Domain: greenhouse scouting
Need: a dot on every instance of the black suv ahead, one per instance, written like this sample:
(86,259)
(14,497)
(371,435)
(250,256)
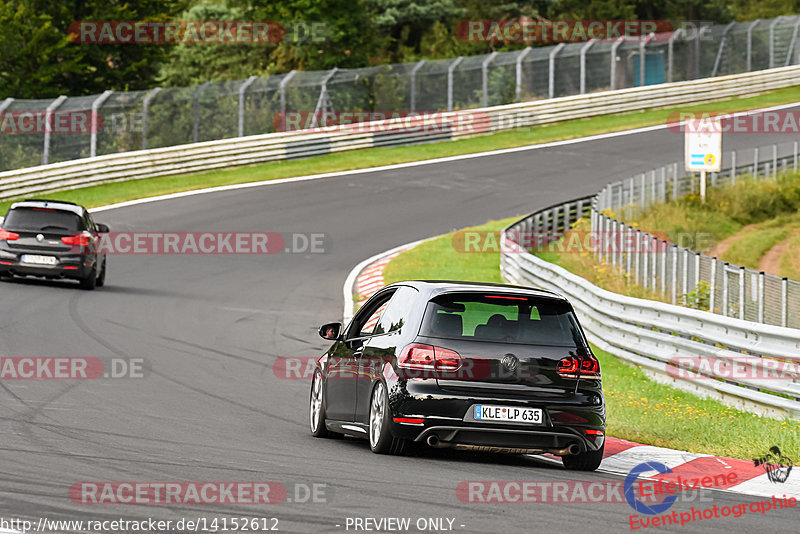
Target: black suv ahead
(481,367)
(52,239)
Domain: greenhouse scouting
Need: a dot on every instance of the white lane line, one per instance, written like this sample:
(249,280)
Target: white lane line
(410,164)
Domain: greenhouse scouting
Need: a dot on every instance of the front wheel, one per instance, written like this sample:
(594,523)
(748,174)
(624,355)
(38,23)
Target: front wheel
(585,461)
(381,440)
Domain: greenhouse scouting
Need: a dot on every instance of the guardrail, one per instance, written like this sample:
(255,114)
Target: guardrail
(655,335)
(249,150)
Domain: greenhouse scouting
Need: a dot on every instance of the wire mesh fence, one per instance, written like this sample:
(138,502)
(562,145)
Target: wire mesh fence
(675,270)
(260,105)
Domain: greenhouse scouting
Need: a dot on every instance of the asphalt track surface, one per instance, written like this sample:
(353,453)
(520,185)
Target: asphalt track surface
(211,327)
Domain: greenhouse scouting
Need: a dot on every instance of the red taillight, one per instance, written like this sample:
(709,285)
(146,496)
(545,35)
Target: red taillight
(594,432)
(80,240)
(584,367)
(5,235)
(428,358)
(409,420)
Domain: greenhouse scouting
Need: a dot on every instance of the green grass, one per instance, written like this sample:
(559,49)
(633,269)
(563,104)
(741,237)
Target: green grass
(639,409)
(118,192)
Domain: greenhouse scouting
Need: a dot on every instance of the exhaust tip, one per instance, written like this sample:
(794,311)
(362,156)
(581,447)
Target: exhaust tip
(433,440)
(574,449)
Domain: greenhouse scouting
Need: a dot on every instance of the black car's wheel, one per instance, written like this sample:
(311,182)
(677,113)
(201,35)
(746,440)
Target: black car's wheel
(316,409)
(585,461)
(101,280)
(90,282)
(381,440)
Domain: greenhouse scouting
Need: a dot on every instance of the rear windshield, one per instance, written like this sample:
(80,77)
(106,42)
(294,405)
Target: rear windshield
(41,219)
(502,318)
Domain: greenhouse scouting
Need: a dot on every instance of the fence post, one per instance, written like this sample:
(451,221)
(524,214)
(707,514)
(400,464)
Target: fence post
(696,269)
(741,292)
(733,168)
(242,91)
(685,280)
(551,77)
(725,289)
(583,51)
(774,160)
(755,163)
(670,55)
(722,43)
(282,89)
(663,252)
(485,79)
(146,114)
(628,259)
(643,197)
(750,44)
(761,277)
(674,280)
(645,254)
(48,126)
(662,189)
(638,253)
(323,99)
(772,41)
(520,57)
(413,97)
(95,123)
(613,74)
(784,301)
(713,284)
(675,184)
(450,70)
(196,109)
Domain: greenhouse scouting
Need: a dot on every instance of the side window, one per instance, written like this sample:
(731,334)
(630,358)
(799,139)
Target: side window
(396,313)
(367,318)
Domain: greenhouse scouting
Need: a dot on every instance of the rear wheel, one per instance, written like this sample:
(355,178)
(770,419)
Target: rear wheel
(316,409)
(381,440)
(90,282)
(585,461)
(101,280)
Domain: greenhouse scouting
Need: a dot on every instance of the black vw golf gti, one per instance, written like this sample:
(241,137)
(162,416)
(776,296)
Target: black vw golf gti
(482,367)
(52,239)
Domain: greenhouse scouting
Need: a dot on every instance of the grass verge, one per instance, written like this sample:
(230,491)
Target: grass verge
(639,409)
(119,192)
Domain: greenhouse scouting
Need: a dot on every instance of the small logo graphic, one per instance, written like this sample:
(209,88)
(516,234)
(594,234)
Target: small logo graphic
(510,362)
(777,466)
(630,485)
(39,238)
(710,159)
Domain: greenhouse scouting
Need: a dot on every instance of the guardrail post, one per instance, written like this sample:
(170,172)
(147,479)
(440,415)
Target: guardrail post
(146,113)
(725,283)
(450,70)
(674,280)
(761,277)
(713,285)
(196,109)
(48,127)
(772,41)
(242,91)
(742,273)
(485,78)
(551,76)
(784,301)
(282,90)
(750,44)
(522,56)
(733,168)
(95,124)
(583,51)
(613,74)
(413,96)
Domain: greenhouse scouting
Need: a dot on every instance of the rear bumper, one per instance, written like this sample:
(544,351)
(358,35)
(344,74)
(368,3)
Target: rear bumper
(67,266)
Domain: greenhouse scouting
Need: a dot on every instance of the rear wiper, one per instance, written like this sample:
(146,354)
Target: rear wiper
(54,226)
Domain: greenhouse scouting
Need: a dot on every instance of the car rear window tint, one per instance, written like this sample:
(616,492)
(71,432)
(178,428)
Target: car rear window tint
(42,219)
(501,318)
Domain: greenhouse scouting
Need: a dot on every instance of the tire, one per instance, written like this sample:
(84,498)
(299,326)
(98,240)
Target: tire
(90,282)
(381,440)
(585,461)
(101,280)
(316,409)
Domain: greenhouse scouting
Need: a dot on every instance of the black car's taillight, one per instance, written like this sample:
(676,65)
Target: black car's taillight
(585,366)
(5,235)
(80,240)
(428,358)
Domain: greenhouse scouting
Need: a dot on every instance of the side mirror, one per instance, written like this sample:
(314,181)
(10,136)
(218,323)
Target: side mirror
(102,228)
(330,331)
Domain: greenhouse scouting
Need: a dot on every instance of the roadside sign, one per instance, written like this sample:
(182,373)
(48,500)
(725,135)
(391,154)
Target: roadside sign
(703,144)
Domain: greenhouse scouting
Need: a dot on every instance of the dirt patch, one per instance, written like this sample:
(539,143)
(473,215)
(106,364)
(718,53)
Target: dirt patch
(720,248)
(770,262)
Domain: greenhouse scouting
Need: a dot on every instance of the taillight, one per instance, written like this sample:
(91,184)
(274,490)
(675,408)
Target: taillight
(80,240)
(585,366)
(5,235)
(428,358)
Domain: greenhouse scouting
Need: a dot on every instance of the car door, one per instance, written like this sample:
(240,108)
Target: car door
(343,362)
(382,346)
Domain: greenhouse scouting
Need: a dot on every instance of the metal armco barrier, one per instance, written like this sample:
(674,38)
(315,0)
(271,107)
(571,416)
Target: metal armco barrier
(653,334)
(228,153)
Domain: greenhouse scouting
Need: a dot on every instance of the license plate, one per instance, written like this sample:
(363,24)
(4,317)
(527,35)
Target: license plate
(35,259)
(512,414)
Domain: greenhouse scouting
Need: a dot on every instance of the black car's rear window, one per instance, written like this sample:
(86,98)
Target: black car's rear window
(42,219)
(501,318)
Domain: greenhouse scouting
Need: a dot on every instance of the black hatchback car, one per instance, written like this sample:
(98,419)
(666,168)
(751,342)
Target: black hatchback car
(481,367)
(52,239)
